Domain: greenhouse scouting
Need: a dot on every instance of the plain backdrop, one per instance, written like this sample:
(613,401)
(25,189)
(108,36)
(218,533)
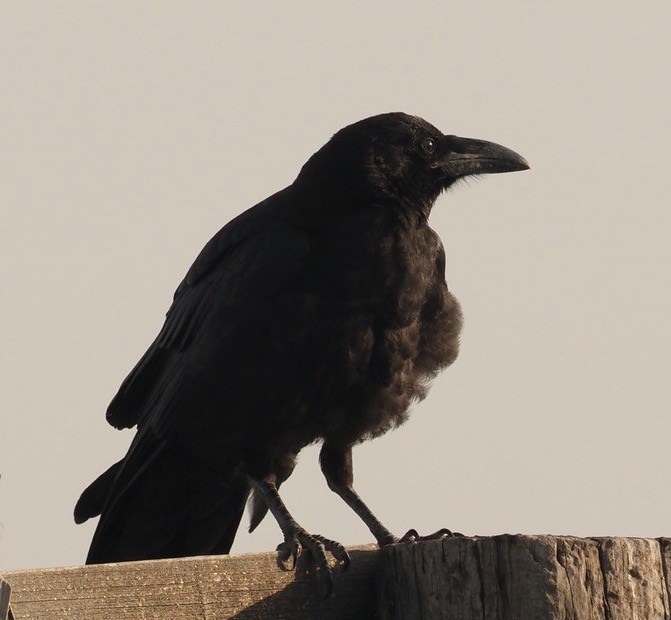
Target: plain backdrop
(132,131)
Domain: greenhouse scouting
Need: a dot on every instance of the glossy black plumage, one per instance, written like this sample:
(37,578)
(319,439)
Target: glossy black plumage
(320,314)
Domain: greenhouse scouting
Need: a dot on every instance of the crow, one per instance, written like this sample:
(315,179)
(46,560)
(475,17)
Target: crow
(318,315)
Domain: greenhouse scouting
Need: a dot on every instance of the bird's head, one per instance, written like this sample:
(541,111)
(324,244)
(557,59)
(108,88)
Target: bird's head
(404,160)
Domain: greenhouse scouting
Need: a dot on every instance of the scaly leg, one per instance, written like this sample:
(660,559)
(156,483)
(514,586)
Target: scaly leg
(297,538)
(336,464)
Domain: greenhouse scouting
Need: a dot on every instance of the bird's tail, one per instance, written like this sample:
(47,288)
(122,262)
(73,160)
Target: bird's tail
(161,502)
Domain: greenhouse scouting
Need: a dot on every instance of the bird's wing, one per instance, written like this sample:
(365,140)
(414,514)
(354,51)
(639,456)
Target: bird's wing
(92,500)
(251,258)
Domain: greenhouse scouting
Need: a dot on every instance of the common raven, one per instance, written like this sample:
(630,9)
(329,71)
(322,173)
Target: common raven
(318,315)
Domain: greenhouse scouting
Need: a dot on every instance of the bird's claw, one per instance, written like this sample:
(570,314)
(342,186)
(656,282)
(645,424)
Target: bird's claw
(412,535)
(289,550)
(336,549)
(317,546)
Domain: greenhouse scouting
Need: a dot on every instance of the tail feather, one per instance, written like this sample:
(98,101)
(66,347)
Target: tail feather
(164,503)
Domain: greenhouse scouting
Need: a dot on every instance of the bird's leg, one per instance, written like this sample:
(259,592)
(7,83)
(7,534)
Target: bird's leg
(282,467)
(297,538)
(336,464)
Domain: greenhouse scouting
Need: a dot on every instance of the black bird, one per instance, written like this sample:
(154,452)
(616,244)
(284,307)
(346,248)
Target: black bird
(320,314)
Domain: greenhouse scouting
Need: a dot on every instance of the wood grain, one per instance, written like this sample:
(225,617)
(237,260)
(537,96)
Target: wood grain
(5,590)
(508,577)
(209,588)
(526,578)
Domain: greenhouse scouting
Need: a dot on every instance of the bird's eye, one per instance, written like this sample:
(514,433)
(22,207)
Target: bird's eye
(428,145)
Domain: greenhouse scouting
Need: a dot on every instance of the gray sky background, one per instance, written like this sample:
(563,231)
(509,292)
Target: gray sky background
(132,131)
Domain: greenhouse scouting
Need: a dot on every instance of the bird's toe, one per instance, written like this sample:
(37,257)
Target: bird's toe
(412,535)
(336,549)
(288,553)
(316,547)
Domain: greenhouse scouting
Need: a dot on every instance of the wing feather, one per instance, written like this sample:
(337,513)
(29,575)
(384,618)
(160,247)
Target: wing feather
(250,258)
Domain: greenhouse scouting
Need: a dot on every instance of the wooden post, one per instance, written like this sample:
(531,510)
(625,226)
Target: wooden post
(527,578)
(484,578)
(5,590)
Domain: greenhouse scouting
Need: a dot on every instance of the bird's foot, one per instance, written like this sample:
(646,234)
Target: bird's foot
(413,536)
(293,546)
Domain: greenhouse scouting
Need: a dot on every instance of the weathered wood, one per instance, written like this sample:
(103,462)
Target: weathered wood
(244,587)
(635,579)
(5,590)
(484,578)
(525,578)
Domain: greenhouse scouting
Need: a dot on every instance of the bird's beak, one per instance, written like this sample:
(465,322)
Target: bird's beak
(467,156)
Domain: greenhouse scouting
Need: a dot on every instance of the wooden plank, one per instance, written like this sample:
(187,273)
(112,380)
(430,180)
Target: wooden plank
(211,588)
